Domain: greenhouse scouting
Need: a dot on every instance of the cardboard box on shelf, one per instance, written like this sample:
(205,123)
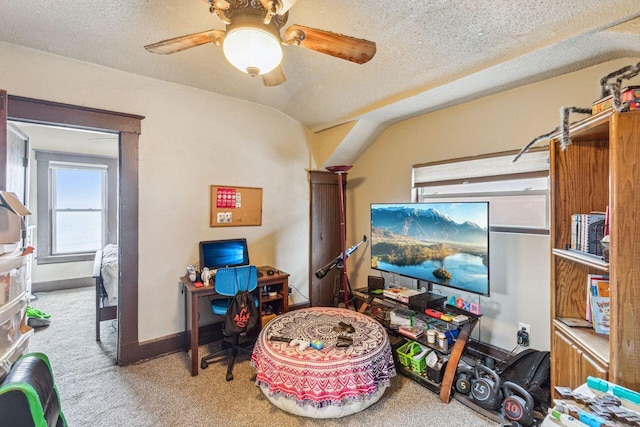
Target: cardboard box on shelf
(630,94)
(11,222)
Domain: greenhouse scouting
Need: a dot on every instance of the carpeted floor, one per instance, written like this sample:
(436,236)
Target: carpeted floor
(161,392)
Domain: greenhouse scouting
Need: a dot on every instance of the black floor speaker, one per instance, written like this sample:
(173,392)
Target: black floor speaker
(375,282)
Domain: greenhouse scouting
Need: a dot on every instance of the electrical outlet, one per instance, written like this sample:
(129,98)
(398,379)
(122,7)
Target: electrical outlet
(524,334)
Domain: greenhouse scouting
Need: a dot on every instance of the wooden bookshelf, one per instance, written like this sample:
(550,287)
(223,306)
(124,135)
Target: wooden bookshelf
(582,258)
(600,168)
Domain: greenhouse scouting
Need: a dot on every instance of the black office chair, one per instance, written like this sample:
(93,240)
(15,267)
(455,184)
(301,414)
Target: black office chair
(230,281)
(29,396)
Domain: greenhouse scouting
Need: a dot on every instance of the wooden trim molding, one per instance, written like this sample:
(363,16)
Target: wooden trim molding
(128,127)
(56,285)
(47,112)
(128,308)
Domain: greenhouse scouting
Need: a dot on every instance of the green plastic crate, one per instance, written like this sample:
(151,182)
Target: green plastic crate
(406,351)
(419,361)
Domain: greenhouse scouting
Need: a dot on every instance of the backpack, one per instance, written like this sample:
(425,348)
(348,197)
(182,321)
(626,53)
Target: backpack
(242,313)
(530,369)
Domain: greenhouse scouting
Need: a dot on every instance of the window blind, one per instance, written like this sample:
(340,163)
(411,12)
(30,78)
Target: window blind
(534,163)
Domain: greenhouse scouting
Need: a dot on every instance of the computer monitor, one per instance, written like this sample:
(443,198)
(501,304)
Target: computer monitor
(224,253)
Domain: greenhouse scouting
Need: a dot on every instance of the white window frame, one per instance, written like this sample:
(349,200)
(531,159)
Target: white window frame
(47,162)
(57,166)
(496,167)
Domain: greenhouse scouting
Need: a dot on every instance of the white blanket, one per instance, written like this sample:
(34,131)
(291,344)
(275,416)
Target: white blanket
(110,273)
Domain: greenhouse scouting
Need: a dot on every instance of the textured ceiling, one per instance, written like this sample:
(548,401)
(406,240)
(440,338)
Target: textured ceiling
(430,53)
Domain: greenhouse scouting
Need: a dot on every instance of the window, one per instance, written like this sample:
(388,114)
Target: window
(76,205)
(518,192)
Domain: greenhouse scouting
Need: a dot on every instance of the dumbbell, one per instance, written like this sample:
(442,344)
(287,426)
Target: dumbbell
(463,379)
(486,390)
(518,404)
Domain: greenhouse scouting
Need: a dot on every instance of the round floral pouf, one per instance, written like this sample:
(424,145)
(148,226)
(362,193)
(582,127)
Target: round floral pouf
(330,382)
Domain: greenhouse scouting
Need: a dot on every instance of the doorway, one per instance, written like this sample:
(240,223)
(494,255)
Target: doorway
(127,127)
(72,182)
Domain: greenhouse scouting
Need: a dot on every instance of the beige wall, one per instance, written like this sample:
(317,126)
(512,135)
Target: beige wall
(519,267)
(190,139)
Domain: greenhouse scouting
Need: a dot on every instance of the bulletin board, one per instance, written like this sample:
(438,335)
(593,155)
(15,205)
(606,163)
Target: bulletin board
(235,206)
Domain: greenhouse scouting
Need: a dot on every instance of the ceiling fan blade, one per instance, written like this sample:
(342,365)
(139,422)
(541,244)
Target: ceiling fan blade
(286,5)
(178,44)
(338,45)
(274,77)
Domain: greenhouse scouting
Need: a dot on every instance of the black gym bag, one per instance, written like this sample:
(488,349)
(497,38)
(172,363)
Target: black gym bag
(531,370)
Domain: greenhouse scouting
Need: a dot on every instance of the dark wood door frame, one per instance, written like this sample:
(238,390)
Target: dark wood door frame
(128,127)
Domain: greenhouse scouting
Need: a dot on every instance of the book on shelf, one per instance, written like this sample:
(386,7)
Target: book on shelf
(586,232)
(598,302)
(412,332)
(600,286)
(575,232)
(594,281)
(601,307)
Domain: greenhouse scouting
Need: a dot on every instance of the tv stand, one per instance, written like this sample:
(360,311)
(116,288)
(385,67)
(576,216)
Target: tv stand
(455,353)
(429,285)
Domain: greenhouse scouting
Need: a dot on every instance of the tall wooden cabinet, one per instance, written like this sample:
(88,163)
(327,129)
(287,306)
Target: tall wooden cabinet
(324,234)
(601,168)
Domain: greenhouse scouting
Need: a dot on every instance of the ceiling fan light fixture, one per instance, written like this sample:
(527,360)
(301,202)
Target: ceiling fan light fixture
(252,47)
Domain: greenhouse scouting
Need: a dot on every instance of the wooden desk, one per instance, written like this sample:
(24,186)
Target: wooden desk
(278,282)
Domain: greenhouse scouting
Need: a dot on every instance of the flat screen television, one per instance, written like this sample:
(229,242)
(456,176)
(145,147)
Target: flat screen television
(224,253)
(441,243)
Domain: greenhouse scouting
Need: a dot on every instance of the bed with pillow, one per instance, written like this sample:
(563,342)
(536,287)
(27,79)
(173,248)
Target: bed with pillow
(106,273)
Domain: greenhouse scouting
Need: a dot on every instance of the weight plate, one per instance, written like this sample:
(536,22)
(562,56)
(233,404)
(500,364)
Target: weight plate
(512,409)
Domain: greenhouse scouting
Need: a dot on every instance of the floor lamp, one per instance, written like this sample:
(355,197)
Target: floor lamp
(341,170)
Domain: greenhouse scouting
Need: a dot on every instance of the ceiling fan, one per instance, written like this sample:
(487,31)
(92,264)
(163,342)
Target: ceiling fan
(252,41)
